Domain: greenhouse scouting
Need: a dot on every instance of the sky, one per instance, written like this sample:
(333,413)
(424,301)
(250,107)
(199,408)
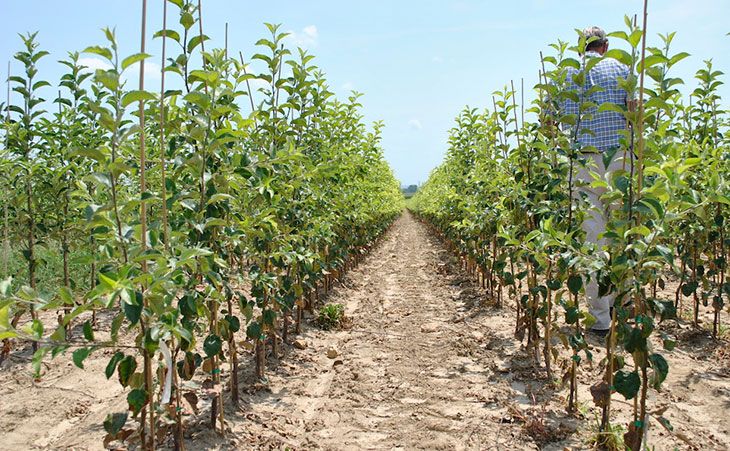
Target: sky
(417,62)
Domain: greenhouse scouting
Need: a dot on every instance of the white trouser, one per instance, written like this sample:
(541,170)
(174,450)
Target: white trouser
(594,225)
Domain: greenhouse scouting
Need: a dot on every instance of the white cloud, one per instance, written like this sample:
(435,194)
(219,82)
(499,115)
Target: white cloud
(348,86)
(307,38)
(415,124)
(91,64)
(151,71)
(437,60)
(311,31)
(258,83)
(131,74)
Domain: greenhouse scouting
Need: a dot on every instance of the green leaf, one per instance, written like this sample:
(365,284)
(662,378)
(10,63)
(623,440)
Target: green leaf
(136,96)
(689,288)
(575,283)
(187,20)
(137,57)
(101,51)
(112,365)
(677,58)
(634,341)
(37,360)
(171,34)
(652,60)
(88,331)
(666,309)
(212,345)
(195,41)
(669,343)
(661,369)
(5,319)
(234,323)
(5,285)
(126,369)
(133,308)
(108,78)
(612,107)
(589,320)
(40,84)
(620,55)
(80,355)
(572,314)
(627,383)
(66,296)
(253,331)
(137,399)
(114,423)
(116,325)
(197,98)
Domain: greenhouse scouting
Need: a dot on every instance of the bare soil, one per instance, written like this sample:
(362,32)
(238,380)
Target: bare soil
(426,362)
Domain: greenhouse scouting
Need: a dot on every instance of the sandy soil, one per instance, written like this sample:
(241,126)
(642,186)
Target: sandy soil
(426,363)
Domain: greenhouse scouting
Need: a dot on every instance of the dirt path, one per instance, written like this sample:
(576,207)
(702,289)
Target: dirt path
(415,369)
(426,363)
(429,363)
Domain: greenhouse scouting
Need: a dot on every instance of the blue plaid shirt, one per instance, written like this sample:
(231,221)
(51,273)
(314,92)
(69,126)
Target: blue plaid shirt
(604,126)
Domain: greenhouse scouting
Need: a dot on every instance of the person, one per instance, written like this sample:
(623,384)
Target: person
(598,132)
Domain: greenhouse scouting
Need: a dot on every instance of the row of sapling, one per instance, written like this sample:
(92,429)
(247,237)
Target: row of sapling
(508,201)
(199,222)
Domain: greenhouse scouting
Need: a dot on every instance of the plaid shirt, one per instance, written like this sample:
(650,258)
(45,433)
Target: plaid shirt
(604,126)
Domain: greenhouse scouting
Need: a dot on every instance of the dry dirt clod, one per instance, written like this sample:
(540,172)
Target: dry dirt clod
(332,352)
(429,328)
(299,344)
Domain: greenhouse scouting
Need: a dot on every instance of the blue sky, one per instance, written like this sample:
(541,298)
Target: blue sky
(417,62)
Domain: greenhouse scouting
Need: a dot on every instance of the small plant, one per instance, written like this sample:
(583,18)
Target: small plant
(331,316)
(610,438)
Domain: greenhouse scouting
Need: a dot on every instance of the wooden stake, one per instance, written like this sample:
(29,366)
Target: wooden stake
(143,237)
(217,405)
(643,417)
(248,84)
(640,118)
(6,220)
(163,144)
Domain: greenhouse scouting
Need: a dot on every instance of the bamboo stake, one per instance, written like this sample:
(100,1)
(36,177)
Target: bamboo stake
(514,110)
(217,406)
(517,128)
(522,99)
(163,161)
(232,339)
(179,443)
(640,118)
(143,239)
(6,220)
(642,419)
(248,84)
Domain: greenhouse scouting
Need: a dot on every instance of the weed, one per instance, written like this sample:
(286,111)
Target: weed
(331,316)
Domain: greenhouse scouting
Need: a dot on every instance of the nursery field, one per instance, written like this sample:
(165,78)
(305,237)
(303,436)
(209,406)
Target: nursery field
(426,360)
(226,260)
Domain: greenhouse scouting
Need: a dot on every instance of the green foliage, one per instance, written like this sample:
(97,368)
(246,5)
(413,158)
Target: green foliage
(276,197)
(331,316)
(507,200)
